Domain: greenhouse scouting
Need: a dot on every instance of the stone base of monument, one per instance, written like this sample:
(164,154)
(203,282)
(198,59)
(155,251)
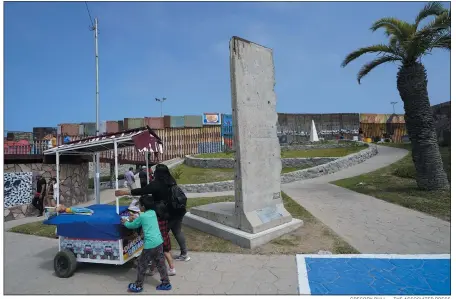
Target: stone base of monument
(218,219)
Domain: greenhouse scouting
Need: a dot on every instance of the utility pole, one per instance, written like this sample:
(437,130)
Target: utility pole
(97,124)
(393,103)
(161,104)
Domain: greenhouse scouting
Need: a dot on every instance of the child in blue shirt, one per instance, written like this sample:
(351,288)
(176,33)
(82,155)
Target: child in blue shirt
(153,248)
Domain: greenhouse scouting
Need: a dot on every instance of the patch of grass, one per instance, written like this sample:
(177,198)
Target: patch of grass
(322,152)
(310,238)
(123,201)
(196,175)
(396,184)
(405,167)
(35,229)
(307,153)
(221,155)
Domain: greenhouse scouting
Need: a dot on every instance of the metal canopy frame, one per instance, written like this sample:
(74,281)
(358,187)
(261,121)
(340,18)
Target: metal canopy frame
(101,143)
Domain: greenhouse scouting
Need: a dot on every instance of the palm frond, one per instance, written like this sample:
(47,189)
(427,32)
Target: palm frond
(440,22)
(442,42)
(373,64)
(429,37)
(392,26)
(431,9)
(381,49)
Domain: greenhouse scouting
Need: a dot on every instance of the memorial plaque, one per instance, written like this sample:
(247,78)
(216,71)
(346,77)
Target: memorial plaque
(268,214)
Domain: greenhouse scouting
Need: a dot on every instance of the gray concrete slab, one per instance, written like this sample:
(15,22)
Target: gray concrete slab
(205,273)
(259,204)
(236,236)
(369,224)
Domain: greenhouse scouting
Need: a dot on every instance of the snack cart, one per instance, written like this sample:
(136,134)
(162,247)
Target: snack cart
(98,236)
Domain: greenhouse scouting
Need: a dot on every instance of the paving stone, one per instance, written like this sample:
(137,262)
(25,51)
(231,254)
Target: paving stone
(369,224)
(267,289)
(210,278)
(243,288)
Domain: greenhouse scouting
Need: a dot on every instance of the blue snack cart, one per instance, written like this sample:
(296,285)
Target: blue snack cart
(100,237)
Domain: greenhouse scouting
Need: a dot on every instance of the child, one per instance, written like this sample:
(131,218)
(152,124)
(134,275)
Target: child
(153,248)
(162,214)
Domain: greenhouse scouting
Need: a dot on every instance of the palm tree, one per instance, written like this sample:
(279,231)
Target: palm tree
(408,43)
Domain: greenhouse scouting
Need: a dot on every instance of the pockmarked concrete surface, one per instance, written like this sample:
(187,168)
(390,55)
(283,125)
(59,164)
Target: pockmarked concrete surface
(31,258)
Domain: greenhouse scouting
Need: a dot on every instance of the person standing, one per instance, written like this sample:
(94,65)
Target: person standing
(51,193)
(160,189)
(40,194)
(130,179)
(143,177)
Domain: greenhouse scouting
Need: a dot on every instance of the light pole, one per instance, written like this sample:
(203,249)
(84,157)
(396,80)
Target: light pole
(97,122)
(393,103)
(161,104)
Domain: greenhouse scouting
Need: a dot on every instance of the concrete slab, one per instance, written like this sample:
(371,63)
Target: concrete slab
(259,204)
(237,236)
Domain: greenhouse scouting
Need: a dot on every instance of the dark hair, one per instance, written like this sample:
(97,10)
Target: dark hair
(131,168)
(161,210)
(163,175)
(147,204)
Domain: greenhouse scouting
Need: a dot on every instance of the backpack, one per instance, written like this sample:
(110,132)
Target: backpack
(178,198)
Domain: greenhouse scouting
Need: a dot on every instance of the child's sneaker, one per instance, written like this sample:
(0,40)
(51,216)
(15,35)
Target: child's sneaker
(183,258)
(164,287)
(132,287)
(171,272)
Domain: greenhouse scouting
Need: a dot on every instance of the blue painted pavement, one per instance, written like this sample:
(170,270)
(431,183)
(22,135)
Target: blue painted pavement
(374,274)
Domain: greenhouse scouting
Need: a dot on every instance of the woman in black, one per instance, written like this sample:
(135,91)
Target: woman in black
(159,188)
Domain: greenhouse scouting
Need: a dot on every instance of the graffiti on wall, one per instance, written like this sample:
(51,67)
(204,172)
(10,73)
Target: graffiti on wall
(329,126)
(379,125)
(17,189)
(379,118)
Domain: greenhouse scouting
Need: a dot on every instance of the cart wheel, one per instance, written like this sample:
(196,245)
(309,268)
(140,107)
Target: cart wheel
(65,263)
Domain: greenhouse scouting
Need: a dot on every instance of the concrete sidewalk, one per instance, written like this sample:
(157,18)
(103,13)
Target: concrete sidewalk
(205,273)
(369,224)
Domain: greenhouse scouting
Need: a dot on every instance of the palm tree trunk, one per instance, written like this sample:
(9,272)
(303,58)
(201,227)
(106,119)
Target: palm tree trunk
(412,86)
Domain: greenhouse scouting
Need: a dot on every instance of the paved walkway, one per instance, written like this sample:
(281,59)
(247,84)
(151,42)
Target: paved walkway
(206,273)
(371,225)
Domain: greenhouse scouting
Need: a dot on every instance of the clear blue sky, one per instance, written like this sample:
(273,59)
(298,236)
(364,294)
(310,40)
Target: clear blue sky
(180,51)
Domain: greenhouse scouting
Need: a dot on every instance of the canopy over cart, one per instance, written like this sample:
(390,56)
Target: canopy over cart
(99,238)
(144,139)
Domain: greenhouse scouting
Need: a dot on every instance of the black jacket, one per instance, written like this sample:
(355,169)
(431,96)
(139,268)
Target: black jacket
(143,176)
(160,193)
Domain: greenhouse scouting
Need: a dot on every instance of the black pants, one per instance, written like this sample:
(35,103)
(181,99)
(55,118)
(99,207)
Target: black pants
(143,184)
(175,225)
(38,204)
(152,258)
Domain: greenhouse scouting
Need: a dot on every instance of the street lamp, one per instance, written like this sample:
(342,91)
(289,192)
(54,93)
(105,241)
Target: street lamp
(161,104)
(393,103)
